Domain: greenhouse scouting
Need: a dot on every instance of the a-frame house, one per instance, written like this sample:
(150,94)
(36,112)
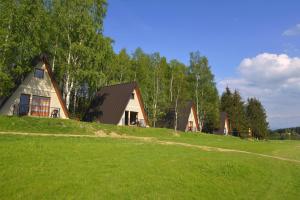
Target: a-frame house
(120,104)
(37,95)
(224,124)
(187,120)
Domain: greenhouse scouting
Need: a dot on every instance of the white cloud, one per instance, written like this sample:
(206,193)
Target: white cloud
(292,31)
(275,80)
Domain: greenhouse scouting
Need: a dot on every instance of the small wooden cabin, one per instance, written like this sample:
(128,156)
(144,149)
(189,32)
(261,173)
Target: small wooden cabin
(224,124)
(120,104)
(37,95)
(187,120)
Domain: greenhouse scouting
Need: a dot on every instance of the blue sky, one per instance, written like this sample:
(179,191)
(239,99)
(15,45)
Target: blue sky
(227,32)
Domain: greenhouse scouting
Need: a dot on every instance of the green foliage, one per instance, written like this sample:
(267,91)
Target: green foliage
(257,118)
(70,32)
(23,35)
(204,92)
(232,104)
(5,84)
(245,120)
(239,120)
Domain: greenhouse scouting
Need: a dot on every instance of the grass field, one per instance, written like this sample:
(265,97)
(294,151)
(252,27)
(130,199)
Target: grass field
(35,167)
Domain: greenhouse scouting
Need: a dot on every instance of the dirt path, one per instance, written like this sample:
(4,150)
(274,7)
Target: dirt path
(101,134)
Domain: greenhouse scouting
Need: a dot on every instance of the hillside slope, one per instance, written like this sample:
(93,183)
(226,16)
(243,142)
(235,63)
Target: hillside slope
(35,167)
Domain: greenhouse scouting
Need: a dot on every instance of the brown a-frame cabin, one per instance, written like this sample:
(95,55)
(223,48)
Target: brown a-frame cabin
(120,104)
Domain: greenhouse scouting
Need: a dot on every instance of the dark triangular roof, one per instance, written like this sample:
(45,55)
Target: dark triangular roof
(184,113)
(183,116)
(110,103)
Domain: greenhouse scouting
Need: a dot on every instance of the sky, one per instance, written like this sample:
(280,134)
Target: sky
(252,45)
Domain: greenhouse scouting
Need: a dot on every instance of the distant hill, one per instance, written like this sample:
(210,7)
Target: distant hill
(291,130)
(286,133)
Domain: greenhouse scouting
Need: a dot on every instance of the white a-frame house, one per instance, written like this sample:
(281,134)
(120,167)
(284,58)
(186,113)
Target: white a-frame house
(37,95)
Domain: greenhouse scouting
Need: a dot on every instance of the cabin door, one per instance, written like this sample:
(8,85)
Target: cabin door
(24,104)
(126,118)
(190,126)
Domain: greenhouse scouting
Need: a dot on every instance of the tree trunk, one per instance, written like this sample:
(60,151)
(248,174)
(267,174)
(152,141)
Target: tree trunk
(75,100)
(176,110)
(54,57)
(6,39)
(202,112)
(155,102)
(68,83)
(171,88)
(197,103)
(68,88)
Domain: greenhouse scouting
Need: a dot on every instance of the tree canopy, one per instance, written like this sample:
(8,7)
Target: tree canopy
(245,119)
(83,60)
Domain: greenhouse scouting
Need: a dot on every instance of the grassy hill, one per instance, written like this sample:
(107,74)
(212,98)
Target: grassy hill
(36,167)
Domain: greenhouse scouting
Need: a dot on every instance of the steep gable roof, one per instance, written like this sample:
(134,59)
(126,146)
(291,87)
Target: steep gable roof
(41,58)
(110,103)
(184,111)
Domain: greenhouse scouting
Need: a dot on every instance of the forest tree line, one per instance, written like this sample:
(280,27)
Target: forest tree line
(292,133)
(83,61)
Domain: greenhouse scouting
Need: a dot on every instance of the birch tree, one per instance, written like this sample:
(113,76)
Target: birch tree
(206,94)
(178,87)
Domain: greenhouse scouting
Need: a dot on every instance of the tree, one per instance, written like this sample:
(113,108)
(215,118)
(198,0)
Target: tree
(178,87)
(257,118)
(5,83)
(239,120)
(233,105)
(159,96)
(77,39)
(205,92)
(121,70)
(23,35)
(226,105)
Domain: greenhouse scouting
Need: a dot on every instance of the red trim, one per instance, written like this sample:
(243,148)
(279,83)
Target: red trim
(138,92)
(58,93)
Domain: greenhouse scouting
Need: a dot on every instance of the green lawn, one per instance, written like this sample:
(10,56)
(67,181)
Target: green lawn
(35,167)
(288,149)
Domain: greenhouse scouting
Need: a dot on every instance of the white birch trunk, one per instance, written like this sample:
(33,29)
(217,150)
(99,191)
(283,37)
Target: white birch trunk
(75,100)
(155,102)
(54,57)
(176,110)
(6,39)
(171,88)
(68,83)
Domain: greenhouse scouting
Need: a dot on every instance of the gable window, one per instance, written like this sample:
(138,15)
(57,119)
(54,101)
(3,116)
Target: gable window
(132,96)
(39,73)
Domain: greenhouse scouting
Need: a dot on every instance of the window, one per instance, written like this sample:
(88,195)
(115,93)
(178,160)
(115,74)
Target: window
(40,106)
(132,96)
(39,73)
